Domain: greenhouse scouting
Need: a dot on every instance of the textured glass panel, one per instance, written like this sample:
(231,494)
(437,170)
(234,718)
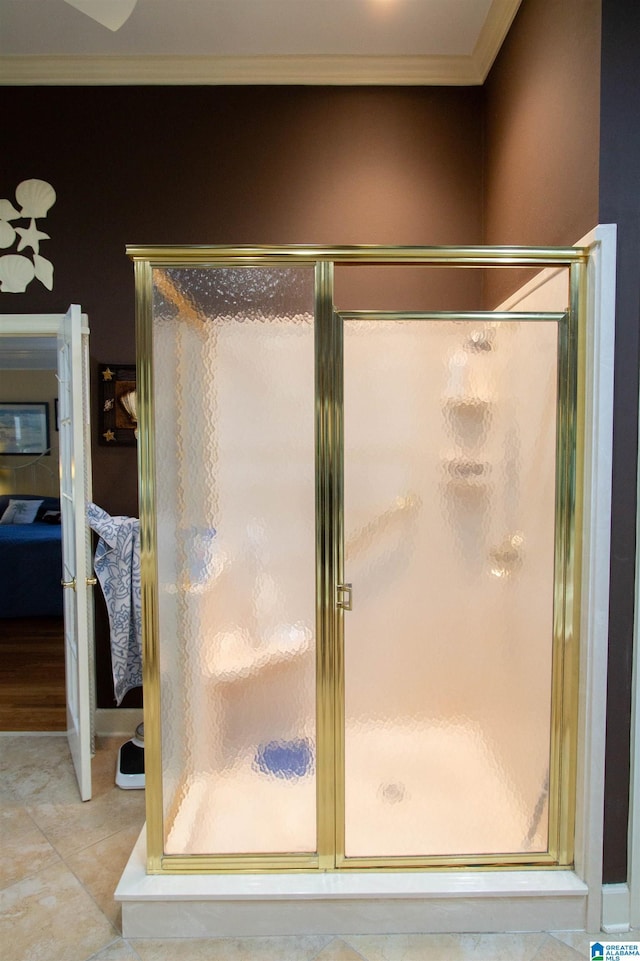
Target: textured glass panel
(449,534)
(234,420)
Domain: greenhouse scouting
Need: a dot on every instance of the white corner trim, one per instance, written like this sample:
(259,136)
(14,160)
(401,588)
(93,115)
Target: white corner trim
(615,908)
(594,626)
(120,720)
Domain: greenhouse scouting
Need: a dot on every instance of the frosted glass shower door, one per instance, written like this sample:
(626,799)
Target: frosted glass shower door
(449,538)
(233,398)
(360,560)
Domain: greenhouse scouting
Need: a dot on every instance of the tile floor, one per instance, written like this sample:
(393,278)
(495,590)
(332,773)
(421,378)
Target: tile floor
(61,861)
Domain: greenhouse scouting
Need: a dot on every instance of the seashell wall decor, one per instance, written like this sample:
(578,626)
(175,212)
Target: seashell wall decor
(7,234)
(8,211)
(34,199)
(44,271)
(16,272)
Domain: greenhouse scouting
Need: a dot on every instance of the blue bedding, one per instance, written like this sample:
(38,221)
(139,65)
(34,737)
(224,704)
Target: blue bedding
(30,569)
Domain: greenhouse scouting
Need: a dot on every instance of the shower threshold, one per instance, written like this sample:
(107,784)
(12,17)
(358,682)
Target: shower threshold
(207,905)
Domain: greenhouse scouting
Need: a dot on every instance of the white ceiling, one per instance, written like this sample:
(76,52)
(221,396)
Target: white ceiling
(251,41)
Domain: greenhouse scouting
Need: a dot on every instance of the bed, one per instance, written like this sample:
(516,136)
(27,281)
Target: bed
(30,558)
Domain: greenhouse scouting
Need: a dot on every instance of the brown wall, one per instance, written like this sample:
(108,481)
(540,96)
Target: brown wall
(542,132)
(209,165)
(620,204)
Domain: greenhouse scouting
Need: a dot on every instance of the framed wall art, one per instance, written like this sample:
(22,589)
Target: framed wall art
(118,417)
(24,428)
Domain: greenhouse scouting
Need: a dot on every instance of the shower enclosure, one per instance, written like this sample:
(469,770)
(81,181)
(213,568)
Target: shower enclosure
(359,558)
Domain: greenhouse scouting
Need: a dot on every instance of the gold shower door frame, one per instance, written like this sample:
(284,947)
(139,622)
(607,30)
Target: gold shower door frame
(330,561)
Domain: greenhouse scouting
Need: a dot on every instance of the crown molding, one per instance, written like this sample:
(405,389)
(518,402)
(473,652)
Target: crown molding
(73,71)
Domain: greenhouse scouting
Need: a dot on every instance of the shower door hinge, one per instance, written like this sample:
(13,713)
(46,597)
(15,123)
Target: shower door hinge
(343,596)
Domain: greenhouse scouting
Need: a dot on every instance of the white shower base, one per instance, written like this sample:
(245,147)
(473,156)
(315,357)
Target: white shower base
(414,790)
(347,902)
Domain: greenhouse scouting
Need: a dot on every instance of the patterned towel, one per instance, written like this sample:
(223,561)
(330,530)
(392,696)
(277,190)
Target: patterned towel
(117,566)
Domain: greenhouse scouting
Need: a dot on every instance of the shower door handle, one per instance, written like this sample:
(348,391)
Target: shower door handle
(343,596)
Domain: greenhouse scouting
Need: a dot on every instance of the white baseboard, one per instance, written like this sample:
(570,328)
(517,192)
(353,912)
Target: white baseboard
(33,733)
(119,720)
(616,906)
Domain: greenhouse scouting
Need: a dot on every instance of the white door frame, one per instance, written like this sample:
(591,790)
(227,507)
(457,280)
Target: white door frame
(51,325)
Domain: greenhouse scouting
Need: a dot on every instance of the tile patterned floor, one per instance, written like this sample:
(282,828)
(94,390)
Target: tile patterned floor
(61,861)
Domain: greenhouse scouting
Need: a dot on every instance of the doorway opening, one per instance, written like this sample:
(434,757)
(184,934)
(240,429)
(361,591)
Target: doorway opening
(33,683)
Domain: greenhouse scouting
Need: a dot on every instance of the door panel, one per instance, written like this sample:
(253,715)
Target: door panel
(75,493)
(234,407)
(449,506)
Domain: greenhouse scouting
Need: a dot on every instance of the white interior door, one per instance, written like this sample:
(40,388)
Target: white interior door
(75,492)
(72,334)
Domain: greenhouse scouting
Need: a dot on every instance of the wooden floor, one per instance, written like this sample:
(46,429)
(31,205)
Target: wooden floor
(32,691)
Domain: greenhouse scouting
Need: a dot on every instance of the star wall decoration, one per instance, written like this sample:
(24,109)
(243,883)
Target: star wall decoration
(30,237)
(118,418)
